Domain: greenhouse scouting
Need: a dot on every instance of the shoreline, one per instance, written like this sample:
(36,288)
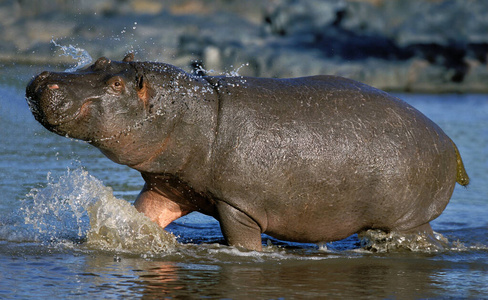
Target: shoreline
(380,81)
(419,46)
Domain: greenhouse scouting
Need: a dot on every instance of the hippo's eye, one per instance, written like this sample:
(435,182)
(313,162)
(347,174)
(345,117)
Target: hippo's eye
(116,84)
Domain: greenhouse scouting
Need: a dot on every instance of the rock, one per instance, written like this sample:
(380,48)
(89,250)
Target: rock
(391,44)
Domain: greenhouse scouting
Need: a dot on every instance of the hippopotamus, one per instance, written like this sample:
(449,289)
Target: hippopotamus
(312,159)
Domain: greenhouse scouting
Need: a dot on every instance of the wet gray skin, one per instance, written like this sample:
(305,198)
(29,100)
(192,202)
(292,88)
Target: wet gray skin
(311,159)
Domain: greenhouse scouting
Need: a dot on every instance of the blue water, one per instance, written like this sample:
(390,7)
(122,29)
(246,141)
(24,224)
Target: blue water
(68,230)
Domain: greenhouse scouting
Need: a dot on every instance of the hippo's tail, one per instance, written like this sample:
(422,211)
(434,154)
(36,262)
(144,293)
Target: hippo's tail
(461,176)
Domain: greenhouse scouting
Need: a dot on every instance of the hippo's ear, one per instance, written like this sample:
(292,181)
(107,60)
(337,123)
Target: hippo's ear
(101,63)
(129,57)
(144,90)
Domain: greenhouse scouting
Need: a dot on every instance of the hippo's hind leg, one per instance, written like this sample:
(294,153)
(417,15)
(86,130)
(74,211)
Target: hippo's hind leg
(424,229)
(238,228)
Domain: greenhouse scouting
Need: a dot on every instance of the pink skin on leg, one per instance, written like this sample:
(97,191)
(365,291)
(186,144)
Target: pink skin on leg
(159,208)
(165,199)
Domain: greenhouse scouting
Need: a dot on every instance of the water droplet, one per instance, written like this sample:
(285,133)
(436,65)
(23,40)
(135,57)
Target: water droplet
(79,54)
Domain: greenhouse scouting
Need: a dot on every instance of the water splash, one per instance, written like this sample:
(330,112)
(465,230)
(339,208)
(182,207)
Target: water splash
(235,73)
(115,225)
(78,54)
(199,69)
(58,211)
(381,241)
(77,207)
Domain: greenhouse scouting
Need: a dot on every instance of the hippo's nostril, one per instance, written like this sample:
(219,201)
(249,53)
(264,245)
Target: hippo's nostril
(43,75)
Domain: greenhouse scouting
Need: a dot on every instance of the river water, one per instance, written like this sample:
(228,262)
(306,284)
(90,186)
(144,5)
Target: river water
(68,229)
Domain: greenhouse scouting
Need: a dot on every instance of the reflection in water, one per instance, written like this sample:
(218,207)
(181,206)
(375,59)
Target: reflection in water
(162,279)
(363,276)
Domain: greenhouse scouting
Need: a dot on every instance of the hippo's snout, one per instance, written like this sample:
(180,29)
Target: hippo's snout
(48,100)
(33,88)
(33,95)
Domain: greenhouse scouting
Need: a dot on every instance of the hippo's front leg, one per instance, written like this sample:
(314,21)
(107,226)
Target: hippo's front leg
(238,228)
(158,207)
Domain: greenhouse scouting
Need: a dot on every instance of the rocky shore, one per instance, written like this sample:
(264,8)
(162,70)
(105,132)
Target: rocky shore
(411,46)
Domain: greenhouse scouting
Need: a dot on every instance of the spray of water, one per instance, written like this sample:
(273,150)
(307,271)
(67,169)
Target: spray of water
(380,241)
(58,211)
(80,55)
(115,225)
(235,73)
(77,207)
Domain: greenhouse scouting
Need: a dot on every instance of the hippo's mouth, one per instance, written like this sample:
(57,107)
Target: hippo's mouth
(82,112)
(84,109)
(53,117)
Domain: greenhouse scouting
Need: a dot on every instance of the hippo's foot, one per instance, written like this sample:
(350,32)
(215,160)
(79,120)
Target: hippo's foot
(239,229)
(421,238)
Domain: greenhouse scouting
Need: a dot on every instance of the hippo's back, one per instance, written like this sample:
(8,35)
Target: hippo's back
(333,151)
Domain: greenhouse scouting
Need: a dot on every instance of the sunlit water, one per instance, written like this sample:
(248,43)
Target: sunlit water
(68,228)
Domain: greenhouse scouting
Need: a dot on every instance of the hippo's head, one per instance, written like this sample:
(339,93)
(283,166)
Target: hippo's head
(77,104)
(125,108)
